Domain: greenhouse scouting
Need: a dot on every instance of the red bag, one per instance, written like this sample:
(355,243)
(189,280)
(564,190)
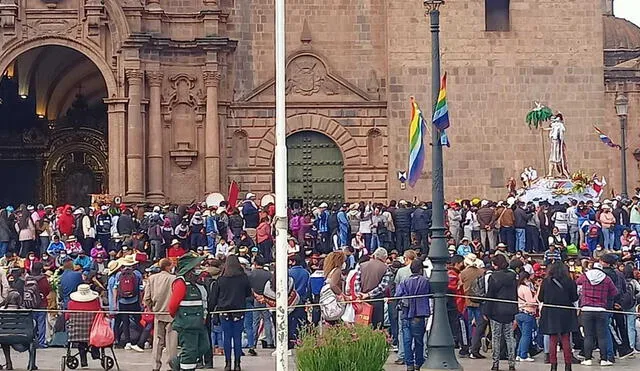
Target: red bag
(363,313)
(101,334)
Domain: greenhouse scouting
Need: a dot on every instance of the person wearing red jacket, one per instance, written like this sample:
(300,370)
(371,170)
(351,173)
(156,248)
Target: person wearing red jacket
(66,221)
(456,304)
(187,306)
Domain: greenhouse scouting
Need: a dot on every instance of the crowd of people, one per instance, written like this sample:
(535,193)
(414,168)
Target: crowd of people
(220,259)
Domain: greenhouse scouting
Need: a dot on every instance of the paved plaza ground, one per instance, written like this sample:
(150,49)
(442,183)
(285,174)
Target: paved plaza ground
(49,360)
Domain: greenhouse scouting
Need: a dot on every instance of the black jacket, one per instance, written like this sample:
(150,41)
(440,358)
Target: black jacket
(502,285)
(230,293)
(421,219)
(520,217)
(403,219)
(125,224)
(562,292)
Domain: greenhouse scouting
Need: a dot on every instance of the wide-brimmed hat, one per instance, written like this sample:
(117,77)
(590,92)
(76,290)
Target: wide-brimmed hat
(500,245)
(471,260)
(72,238)
(113,267)
(188,262)
(128,261)
(174,242)
(84,294)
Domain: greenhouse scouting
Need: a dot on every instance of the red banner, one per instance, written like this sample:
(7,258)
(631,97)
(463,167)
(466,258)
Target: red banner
(234,191)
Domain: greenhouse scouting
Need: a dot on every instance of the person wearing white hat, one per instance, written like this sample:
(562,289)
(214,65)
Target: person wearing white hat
(474,268)
(322,224)
(251,215)
(127,291)
(83,299)
(608,221)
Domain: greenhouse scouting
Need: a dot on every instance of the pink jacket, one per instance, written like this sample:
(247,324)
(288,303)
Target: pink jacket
(607,219)
(526,301)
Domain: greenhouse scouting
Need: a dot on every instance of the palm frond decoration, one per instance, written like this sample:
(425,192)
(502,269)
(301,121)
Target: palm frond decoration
(538,115)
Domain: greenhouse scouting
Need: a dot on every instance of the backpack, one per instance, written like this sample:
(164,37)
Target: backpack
(627,297)
(593,231)
(332,222)
(127,284)
(330,307)
(78,231)
(478,289)
(32,298)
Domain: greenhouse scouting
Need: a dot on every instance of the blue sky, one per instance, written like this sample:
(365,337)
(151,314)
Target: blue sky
(628,9)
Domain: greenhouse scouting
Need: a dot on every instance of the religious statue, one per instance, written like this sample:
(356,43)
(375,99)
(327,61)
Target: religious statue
(511,186)
(557,155)
(528,176)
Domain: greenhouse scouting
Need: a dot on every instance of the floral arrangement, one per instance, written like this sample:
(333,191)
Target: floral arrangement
(538,115)
(341,347)
(581,181)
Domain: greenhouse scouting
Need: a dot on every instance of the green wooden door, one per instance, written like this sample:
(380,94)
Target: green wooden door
(315,171)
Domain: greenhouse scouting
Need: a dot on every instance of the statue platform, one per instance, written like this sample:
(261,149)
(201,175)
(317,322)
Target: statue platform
(560,190)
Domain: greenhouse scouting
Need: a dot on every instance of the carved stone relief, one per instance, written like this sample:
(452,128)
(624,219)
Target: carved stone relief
(183,114)
(308,76)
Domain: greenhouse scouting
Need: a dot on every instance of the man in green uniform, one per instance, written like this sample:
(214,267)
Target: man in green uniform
(187,306)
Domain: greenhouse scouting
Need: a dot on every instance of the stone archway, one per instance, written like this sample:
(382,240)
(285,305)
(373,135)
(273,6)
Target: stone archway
(57,121)
(76,166)
(10,54)
(351,153)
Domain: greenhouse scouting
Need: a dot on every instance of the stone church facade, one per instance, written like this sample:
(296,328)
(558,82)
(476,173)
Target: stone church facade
(188,90)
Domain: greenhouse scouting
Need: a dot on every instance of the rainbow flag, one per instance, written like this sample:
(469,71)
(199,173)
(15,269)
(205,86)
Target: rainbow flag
(417,131)
(604,138)
(441,112)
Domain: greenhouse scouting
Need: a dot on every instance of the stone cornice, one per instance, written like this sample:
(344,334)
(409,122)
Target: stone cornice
(145,40)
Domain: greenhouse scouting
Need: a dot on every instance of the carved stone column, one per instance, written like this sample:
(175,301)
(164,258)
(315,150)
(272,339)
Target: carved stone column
(135,140)
(154,135)
(212,134)
(116,109)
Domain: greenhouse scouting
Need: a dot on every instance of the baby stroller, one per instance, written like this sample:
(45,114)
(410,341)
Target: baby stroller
(17,329)
(78,329)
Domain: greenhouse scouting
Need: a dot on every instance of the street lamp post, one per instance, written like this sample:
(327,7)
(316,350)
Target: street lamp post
(440,343)
(622,109)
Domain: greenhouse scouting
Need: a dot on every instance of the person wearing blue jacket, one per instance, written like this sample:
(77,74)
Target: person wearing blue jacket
(211,228)
(55,247)
(343,226)
(301,281)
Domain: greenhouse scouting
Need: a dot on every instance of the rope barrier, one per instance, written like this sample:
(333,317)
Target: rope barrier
(311,305)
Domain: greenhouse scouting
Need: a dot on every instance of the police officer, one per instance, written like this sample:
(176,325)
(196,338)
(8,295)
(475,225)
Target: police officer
(187,306)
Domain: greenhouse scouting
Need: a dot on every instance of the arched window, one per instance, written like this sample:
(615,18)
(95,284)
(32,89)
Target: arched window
(374,148)
(240,149)
(496,15)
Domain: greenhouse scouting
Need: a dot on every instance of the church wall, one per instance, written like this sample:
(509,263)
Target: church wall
(633,137)
(493,79)
(349,33)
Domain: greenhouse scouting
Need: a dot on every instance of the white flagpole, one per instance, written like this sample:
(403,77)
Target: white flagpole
(282,331)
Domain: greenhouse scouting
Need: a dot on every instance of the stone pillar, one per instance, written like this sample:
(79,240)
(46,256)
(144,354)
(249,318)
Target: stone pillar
(212,134)
(154,135)
(135,141)
(116,144)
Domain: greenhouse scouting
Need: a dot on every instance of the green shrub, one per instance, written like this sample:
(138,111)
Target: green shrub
(342,348)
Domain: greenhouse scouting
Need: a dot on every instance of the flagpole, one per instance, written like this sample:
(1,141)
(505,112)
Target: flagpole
(282,330)
(440,343)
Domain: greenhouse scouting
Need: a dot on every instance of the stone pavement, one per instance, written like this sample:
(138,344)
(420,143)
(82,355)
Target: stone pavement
(49,360)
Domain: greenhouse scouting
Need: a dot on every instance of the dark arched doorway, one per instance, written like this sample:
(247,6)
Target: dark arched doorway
(314,168)
(52,112)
